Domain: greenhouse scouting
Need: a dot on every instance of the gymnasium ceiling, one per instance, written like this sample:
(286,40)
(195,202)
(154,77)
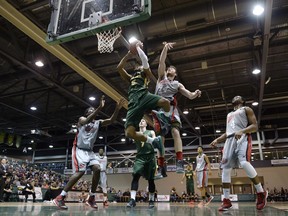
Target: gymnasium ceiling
(223,35)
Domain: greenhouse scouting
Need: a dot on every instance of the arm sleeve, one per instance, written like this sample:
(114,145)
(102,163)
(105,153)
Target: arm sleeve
(143,58)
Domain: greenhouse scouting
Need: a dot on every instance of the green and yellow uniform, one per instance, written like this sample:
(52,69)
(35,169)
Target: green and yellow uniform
(189,182)
(140,99)
(145,162)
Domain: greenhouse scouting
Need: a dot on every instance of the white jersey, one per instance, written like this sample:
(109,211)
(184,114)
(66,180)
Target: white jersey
(103,161)
(167,88)
(234,150)
(87,135)
(236,121)
(201,163)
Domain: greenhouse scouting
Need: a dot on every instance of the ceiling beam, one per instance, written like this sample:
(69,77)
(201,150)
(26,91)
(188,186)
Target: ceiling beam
(266,38)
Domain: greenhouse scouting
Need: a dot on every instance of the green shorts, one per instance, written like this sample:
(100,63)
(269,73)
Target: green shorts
(139,103)
(190,187)
(145,165)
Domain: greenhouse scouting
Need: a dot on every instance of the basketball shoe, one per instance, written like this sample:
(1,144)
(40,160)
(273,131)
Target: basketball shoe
(131,204)
(261,200)
(209,200)
(91,202)
(151,204)
(226,204)
(59,202)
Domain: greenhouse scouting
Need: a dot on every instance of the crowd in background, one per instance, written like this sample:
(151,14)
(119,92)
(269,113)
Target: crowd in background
(277,195)
(24,176)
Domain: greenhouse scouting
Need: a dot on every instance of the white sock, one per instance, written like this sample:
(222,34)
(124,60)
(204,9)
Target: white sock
(151,196)
(149,139)
(133,194)
(63,193)
(226,193)
(92,194)
(259,188)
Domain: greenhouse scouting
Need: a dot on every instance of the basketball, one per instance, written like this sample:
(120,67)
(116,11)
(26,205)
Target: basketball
(133,48)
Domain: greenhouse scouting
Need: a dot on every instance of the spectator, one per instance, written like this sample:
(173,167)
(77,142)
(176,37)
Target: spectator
(29,189)
(83,196)
(173,195)
(3,173)
(7,188)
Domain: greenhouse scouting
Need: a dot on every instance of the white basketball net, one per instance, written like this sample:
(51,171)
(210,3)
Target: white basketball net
(106,39)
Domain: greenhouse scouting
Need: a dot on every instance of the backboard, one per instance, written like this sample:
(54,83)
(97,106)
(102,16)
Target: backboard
(74,19)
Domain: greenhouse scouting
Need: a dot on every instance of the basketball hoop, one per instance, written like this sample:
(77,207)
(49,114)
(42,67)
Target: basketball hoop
(107,38)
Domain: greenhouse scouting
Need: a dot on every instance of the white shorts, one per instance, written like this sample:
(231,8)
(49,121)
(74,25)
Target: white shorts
(103,181)
(202,178)
(235,151)
(82,159)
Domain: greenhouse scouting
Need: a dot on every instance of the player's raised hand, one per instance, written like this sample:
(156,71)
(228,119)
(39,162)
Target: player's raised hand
(198,93)
(102,101)
(169,45)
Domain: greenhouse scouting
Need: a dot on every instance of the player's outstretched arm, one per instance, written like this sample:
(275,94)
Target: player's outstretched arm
(123,73)
(85,120)
(110,120)
(208,163)
(144,60)
(185,92)
(163,56)
(222,138)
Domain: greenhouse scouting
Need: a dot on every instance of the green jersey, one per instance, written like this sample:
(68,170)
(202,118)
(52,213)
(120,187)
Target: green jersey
(189,175)
(145,148)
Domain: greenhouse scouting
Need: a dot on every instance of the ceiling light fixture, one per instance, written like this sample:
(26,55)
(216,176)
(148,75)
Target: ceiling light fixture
(184,134)
(258,10)
(218,131)
(185,111)
(29,148)
(123,140)
(39,63)
(100,137)
(33,108)
(50,146)
(197,128)
(255,103)
(132,40)
(124,119)
(92,98)
(256,71)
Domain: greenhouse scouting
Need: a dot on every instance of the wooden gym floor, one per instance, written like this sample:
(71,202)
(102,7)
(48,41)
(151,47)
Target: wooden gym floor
(161,209)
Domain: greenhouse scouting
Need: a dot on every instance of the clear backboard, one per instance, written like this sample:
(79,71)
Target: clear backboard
(74,19)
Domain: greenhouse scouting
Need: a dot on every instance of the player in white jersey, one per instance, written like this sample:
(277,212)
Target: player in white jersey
(82,152)
(202,168)
(237,150)
(102,159)
(168,87)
